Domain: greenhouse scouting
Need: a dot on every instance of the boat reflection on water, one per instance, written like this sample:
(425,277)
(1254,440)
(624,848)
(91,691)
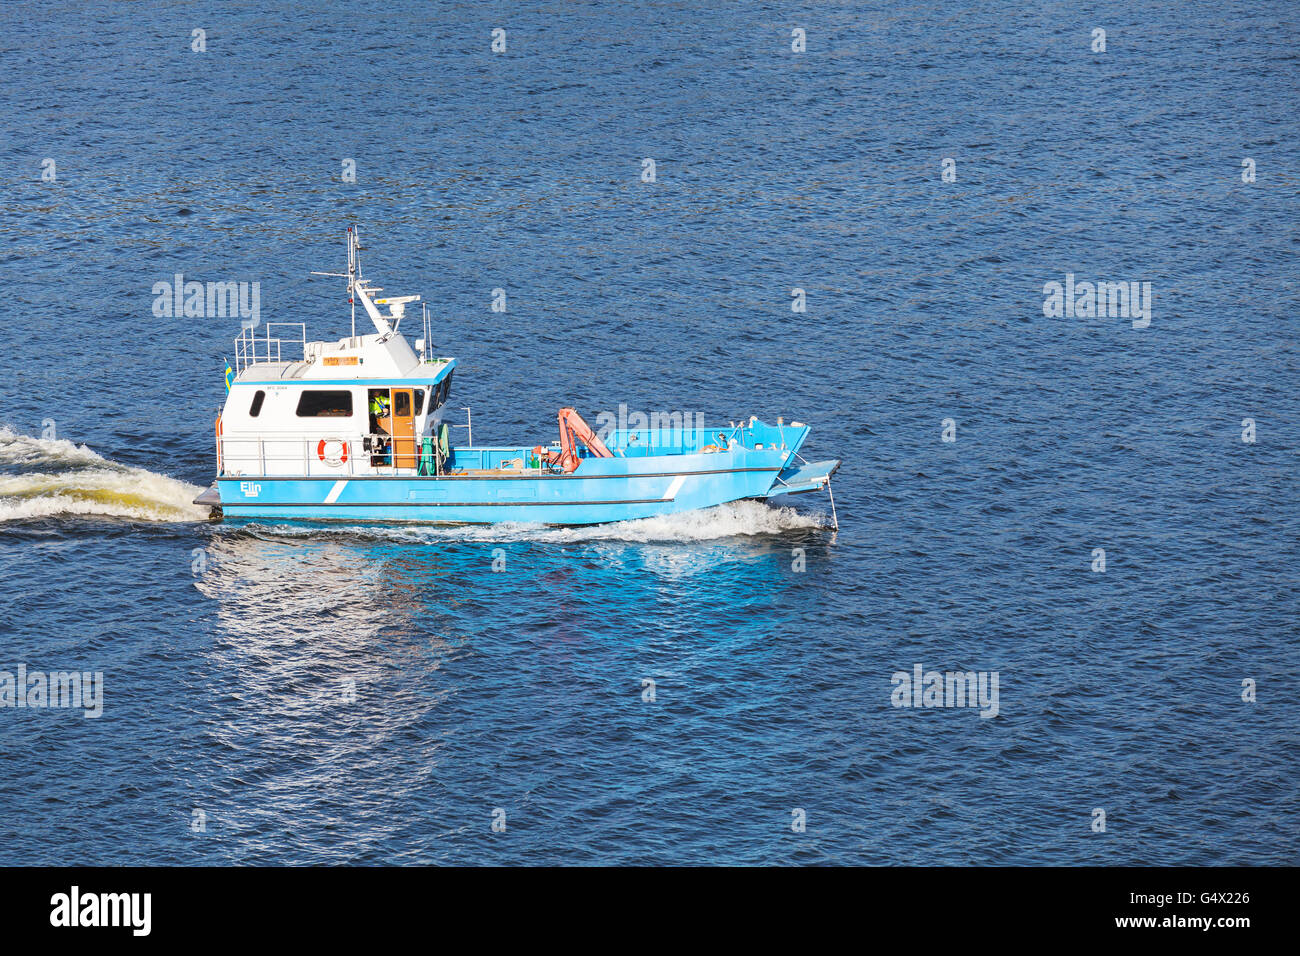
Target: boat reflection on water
(361,672)
(361,592)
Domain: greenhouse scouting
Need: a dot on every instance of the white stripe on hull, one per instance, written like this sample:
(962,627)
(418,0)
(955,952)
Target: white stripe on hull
(675,487)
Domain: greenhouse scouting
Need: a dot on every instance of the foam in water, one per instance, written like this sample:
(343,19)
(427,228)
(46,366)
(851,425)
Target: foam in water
(57,477)
(26,450)
(720,521)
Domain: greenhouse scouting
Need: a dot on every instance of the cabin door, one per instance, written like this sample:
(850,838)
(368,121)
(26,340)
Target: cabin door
(403,429)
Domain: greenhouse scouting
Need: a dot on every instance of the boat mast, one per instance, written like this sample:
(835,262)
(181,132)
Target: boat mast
(354,267)
(354,264)
(385,325)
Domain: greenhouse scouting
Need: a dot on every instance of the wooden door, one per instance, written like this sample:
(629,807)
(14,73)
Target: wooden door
(403,429)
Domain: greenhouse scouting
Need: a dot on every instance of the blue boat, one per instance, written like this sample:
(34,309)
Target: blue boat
(353,430)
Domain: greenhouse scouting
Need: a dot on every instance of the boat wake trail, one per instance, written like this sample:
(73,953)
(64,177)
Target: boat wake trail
(52,477)
(720,521)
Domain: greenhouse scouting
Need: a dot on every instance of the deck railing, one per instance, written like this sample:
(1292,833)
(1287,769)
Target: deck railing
(649,442)
(252,348)
(291,455)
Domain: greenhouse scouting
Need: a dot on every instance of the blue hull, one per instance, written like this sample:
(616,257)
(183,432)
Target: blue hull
(642,481)
(547,499)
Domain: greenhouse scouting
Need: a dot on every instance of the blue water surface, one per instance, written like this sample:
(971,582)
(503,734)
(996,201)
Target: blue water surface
(289,694)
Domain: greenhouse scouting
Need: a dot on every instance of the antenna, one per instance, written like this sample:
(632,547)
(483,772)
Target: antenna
(385,325)
(354,270)
(424,329)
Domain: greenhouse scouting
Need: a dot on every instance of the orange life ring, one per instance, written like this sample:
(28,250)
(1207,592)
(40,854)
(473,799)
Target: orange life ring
(340,459)
(218,444)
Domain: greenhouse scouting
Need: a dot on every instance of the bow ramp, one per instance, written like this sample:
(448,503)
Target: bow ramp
(807,476)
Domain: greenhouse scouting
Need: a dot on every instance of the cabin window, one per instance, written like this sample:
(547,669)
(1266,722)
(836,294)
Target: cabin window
(402,404)
(316,404)
(256,408)
(440,393)
(419,401)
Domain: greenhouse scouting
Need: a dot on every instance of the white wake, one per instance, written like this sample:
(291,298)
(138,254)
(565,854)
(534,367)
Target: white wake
(707,524)
(56,477)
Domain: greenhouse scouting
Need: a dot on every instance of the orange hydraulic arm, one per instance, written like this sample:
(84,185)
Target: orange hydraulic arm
(572,426)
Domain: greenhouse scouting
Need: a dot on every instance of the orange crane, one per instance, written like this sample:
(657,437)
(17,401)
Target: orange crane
(572,426)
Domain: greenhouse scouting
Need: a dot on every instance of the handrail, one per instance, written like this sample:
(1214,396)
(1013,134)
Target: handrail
(304,449)
(310,455)
(252,349)
(296,454)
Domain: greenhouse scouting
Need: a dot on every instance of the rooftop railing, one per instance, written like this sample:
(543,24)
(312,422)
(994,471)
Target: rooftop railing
(254,345)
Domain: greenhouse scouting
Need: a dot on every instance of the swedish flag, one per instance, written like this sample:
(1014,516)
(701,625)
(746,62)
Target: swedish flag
(230,377)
